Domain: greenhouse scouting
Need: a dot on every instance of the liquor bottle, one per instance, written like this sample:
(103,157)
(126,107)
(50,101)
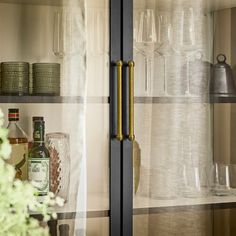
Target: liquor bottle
(38,162)
(19,143)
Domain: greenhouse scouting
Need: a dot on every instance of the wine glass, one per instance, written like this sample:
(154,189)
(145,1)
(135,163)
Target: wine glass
(184,35)
(97,28)
(66,31)
(58,44)
(145,39)
(163,47)
(184,30)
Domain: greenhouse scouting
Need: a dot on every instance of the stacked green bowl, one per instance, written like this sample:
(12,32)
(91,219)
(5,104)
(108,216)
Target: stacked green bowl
(46,79)
(15,78)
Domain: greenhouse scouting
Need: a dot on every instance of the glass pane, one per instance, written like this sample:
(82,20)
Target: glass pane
(72,99)
(183,153)
(95,226)
(199,221)
(187,222)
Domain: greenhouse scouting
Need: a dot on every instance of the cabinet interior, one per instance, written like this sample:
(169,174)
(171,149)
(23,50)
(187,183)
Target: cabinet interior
(27,27)
(28,35)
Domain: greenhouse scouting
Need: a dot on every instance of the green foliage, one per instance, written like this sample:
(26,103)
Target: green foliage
(18,198)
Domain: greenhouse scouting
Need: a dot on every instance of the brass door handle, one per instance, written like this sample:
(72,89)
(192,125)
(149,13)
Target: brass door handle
(131,100)
(119,135)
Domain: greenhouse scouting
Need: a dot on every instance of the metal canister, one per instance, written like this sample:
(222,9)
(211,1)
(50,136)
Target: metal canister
(222,79)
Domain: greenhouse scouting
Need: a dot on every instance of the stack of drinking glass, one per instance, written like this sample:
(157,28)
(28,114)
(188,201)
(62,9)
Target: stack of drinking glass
(15,78)
(46,79)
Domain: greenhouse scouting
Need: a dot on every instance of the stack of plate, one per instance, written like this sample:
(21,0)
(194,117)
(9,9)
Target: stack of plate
(46,79)
(15,78)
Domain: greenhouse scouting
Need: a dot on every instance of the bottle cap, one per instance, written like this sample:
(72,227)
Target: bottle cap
(34,118)
(13,114)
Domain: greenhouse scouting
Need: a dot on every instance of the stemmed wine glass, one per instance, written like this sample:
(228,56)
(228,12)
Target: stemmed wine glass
(97,29)
(145,39)
(163,47)
(58,34)
(184,35)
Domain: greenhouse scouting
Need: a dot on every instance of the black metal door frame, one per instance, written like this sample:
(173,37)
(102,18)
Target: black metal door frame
(115,145)
(121,163)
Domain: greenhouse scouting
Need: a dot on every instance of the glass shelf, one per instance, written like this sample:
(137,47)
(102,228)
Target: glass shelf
(171,99)
(77,215)
(53,99)
(185,99)
(106,100)
(97,207)
(144,205)
(34,2)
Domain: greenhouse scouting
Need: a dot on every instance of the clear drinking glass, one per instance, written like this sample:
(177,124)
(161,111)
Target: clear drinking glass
(196,181)
(59,149)
(164,182)
(222,179)
(158,183)
(232,169)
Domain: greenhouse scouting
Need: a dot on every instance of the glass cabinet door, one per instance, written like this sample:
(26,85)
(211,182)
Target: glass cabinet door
(183,153)
(65,45)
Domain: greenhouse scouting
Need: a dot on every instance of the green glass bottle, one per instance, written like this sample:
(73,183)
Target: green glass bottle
(38,161)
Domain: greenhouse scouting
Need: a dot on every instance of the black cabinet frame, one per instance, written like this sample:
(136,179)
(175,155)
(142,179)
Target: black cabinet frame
(121,163)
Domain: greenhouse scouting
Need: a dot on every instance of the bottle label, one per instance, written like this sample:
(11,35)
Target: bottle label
(38,174)
(18,159)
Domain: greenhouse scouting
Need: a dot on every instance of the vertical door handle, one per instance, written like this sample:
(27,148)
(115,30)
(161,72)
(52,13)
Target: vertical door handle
(131,100)
(119,135)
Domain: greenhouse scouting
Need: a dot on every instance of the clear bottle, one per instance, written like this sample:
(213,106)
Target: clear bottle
(19,143)
(38,162)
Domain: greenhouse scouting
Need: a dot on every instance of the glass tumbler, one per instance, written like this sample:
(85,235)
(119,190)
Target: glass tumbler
(196,181)
(224,179)
(221,186)
(59,149)
(232,172)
